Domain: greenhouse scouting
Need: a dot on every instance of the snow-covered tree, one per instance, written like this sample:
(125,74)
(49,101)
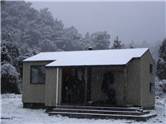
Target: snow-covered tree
(47,45)
(100,40)
(28,26)
(8,69)
(10,52)
(117,44)
(9,78)
(97,40)
(161,64)
(71,39)
(5,56)
(86,41)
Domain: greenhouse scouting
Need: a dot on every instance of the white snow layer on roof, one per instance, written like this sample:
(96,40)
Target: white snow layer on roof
(89,57)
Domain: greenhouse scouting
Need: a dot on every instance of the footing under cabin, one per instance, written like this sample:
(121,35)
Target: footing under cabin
(135,113)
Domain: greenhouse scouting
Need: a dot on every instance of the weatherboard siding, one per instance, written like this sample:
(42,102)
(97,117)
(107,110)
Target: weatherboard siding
(133,83)
(148,98)
(53,87)
(32,93)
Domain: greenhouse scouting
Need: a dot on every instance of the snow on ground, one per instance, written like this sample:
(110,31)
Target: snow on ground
(13,113)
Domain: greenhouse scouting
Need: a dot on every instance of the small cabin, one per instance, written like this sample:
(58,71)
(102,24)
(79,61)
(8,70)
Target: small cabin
(117,78)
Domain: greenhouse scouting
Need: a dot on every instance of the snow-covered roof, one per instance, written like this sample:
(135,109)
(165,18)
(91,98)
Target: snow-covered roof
(89,57)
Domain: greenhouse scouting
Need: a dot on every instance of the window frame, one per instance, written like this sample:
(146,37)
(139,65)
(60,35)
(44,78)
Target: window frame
(36,83)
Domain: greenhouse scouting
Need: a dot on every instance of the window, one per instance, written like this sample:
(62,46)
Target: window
(151,88)
(151,68)
(37,74)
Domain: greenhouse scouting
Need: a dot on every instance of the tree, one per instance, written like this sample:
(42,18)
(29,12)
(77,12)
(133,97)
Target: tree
(100,40)
(86,41)
(9,79)
(10,52)
(71,39)
(5,56)
(117,44)
(47,45)
(29,26)
(161,64)
(132,44)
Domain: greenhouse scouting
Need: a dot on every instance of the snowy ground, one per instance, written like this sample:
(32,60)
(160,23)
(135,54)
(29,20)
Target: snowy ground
(13,113)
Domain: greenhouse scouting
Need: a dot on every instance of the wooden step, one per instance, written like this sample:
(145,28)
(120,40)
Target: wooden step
(100,111)
(102,115)
(101,108)
(136,113)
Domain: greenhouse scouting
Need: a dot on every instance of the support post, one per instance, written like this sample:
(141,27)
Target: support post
(86,85)
(57,87)
(89,76)
(125,87)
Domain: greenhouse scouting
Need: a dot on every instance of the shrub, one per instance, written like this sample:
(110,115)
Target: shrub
(9,79)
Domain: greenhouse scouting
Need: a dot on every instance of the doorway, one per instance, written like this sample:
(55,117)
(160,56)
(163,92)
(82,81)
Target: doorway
(88,86)
(73,85)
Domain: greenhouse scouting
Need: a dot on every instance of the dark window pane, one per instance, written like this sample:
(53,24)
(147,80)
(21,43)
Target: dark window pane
(37,74)
(151,88)
(151,68)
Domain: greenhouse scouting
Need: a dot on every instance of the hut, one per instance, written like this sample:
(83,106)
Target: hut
(90,82)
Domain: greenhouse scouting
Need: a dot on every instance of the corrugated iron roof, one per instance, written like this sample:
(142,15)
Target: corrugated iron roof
(89,57)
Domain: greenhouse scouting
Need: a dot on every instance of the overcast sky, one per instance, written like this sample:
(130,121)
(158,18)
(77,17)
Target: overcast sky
(131,21)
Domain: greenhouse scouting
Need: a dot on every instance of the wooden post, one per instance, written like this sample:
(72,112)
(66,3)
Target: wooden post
(86,85)
(89,76)
(125,86)
(57,87)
